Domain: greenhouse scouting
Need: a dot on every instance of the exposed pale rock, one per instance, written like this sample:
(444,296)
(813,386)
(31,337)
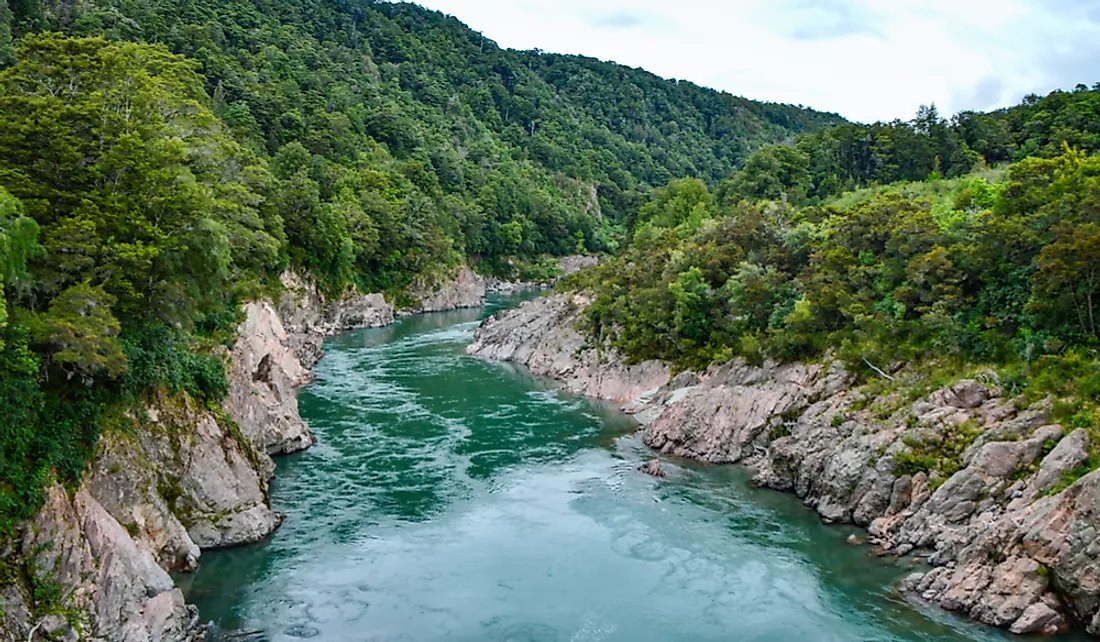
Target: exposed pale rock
(1038,618)
(719,420)
(215,482)
(1070,453)
(263,371)
(182,479)
(463,289)
(303,312)
(542,336)
(113,582)
(308,316)
(128,485)
(359,311)
(573,264)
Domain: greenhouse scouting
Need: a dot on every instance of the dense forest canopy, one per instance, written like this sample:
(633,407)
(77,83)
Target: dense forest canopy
(821,165)
(161,162)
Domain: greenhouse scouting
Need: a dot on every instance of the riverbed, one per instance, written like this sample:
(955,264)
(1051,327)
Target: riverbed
(450,498)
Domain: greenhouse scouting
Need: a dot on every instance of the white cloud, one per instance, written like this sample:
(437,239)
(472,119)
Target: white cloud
(866,59)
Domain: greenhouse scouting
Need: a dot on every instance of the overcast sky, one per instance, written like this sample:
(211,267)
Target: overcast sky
(866,59)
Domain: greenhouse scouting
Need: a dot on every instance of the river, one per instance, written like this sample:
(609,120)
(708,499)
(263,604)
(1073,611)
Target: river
(451,498)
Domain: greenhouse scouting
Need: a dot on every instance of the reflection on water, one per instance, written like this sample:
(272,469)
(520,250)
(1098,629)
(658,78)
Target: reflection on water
(454,499)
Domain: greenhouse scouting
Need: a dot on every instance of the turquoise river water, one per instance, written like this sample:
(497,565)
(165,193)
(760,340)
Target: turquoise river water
(450,498)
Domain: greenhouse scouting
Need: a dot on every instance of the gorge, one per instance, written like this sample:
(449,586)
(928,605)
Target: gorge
(245,246)
(453,498)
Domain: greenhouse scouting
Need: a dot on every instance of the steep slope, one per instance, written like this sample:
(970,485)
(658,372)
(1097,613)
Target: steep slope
(337,76)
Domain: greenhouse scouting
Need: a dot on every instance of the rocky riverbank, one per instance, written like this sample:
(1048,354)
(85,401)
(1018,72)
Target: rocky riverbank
(973,482)
(178,478)
(566,265)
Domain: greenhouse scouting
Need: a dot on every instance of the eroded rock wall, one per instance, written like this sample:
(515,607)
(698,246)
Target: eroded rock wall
(92,580)
(462,289)
(1009,546)
(542,335)
(174,479)
(308,317)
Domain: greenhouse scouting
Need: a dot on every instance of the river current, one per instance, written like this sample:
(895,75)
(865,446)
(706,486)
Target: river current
(450,498)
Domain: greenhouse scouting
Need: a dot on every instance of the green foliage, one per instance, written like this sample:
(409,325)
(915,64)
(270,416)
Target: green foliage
(681,202)
(82,333)
(7,52)
(146,189)
(18,244)
(941,452)
(49,430)
(1067,278)
(692,317)
(161,357)
(826,163)
(401,140)
(967,269)
(136,188)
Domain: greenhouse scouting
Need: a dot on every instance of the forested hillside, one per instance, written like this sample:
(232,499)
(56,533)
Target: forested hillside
(500,150)
(822,165)
(162,162)
(993,272)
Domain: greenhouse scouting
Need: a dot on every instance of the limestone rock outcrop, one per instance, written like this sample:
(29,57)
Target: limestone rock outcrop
(542,336)
(462,289)
(102,585)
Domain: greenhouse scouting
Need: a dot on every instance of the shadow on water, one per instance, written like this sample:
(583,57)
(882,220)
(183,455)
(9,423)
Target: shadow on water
(450,498)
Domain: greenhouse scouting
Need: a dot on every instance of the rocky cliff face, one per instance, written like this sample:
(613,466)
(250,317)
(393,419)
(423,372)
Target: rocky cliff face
(463,289)
(263,371)
(92,581)
(573,264)
(566,265)
(1009,547)
(542,335)
(174,479)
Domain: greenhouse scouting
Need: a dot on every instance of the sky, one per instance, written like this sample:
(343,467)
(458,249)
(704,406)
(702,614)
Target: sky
(864,59)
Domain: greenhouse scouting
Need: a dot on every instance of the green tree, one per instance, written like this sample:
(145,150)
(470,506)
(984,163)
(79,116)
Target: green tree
(776,172)
(82,334)
(692,315)
(680,201)
(1067,281)
(18,244)
(112,152)
(7,52)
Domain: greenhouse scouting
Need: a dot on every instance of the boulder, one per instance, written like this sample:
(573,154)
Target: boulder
(653,468)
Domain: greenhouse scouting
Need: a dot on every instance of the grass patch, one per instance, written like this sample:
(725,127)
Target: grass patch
(940,453)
